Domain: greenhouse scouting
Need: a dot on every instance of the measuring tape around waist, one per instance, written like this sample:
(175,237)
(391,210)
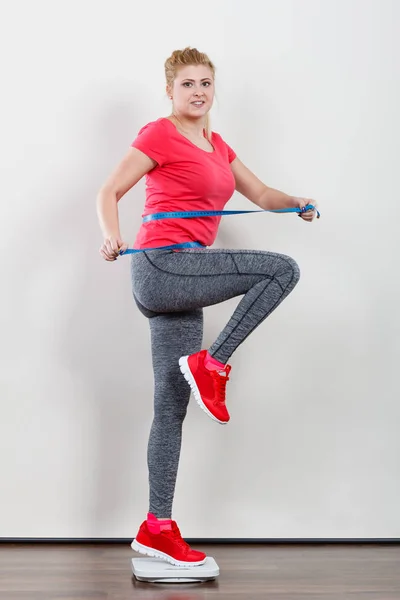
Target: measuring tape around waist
(206,213)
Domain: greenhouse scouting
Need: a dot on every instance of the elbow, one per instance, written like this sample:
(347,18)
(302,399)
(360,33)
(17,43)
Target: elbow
(106,194)
(262,199)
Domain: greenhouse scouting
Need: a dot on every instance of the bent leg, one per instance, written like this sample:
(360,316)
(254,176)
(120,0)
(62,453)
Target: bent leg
(175,281)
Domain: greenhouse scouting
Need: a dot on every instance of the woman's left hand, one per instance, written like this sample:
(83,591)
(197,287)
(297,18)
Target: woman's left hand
(308,215)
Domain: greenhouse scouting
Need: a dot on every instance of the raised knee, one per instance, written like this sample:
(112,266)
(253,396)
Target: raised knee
(289,270)
(295,270)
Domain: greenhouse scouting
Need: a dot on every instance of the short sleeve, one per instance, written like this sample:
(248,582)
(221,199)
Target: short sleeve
(152,140)
(224,147)
(231,153)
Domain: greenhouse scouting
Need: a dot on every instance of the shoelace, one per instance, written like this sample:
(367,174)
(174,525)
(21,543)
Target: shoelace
(176,535)
(220,382)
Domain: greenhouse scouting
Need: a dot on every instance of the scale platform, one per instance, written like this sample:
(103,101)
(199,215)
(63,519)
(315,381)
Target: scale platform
(156,570)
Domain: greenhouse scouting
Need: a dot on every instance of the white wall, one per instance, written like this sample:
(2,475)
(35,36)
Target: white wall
(308,95)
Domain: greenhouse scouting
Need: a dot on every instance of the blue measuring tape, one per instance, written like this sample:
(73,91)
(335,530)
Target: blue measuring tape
(207,213)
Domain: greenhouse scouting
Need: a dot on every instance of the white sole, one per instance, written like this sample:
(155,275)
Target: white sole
(158,554)
(185,370)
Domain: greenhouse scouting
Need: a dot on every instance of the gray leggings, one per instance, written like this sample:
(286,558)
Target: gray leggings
(171,289)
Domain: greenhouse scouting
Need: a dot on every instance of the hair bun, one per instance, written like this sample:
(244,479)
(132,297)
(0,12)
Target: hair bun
(183,58)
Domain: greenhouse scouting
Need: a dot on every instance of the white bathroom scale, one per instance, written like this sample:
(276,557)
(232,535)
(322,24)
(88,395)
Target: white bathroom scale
(156,570)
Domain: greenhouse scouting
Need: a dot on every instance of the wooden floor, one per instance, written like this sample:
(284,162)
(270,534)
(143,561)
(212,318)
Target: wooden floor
(292,572)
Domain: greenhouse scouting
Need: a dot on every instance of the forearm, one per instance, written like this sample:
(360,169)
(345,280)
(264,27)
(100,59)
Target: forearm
(107,212)
(272,199)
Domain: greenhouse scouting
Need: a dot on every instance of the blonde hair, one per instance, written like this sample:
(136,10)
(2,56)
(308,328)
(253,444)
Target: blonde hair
(184,58)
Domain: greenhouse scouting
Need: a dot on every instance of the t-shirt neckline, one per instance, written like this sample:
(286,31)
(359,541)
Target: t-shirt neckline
(189,141)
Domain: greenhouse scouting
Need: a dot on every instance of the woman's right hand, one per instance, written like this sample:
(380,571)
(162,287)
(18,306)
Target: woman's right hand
(111,248)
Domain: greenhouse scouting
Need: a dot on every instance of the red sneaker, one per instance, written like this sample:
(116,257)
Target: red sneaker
(208,387)
(167,545)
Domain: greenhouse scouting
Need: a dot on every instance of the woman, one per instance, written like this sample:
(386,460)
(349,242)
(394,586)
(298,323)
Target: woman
(189,168)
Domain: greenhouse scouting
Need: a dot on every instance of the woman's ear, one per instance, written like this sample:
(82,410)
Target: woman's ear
(169,92)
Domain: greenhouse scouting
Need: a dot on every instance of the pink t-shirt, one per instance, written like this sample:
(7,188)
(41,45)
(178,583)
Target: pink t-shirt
(186,178)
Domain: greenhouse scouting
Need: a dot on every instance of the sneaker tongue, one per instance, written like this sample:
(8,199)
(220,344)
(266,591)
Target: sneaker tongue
(178,538)
(175,529)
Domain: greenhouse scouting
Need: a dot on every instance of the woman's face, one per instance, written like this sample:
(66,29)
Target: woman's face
(192,91)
